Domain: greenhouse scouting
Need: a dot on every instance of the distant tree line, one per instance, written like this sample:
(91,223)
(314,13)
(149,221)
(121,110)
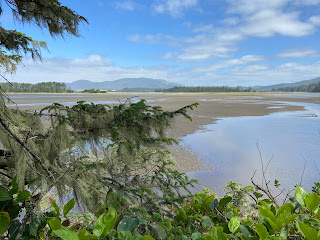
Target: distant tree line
(206,89)
(49,87)
(313,87)
(137,90)
(92,90)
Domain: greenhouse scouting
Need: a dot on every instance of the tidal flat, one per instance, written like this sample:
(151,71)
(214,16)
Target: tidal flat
(219,144)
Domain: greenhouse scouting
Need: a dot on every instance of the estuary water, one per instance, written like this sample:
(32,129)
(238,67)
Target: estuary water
(233,146)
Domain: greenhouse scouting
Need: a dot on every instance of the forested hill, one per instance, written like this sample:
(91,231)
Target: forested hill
(124,83)
(286,85)
(49,87)
(313,87)
(206,89)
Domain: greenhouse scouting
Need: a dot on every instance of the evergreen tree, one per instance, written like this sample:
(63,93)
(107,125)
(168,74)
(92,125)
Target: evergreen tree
(51,15)
(90,151)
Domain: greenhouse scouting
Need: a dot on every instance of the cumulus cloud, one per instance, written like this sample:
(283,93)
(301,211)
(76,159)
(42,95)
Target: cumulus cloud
(244,19)
(174,7)
(298,53)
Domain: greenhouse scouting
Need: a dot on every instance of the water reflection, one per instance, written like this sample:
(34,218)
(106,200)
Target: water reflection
(230,145)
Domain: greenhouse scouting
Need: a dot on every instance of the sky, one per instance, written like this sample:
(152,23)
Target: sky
(190,42)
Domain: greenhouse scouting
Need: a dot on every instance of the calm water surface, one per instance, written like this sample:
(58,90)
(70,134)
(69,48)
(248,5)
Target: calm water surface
(292,138)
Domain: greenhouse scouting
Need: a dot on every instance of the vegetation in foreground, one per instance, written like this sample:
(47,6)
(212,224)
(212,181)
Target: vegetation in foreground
(241,214)
(206,89)
(112,160)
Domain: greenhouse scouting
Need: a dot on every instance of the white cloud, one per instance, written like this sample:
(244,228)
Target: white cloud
(174,7)
(155,39)
(216,44)
(245,19)
(228,64)
(126,5)
(230,21)
(267,23)
(267,18)
(204,29)
(298,53)
(93,67)
(306,2)
(167,56)
(248,70)
(315,20)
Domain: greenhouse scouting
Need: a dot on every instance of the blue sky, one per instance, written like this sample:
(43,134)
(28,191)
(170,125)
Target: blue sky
(191,42)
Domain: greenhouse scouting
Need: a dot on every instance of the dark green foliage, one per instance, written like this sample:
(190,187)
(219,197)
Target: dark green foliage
(93,91)
(45,87)
(206,89)
(194,218)
(312,87)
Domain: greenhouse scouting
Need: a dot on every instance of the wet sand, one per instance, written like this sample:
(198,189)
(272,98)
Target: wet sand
(212,106)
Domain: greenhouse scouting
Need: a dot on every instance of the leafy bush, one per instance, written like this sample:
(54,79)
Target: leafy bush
(200,217)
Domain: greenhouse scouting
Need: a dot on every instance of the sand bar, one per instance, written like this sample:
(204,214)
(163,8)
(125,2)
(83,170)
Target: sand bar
(212,106)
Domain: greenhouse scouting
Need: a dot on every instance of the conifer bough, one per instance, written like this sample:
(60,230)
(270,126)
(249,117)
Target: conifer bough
(47,14)
(89,150)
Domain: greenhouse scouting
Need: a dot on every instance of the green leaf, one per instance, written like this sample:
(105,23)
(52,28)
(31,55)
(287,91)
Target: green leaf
(160,231)
(105,223)
(4,222)
(128,224)
(234,224)
(55,223)
(68,207)
(196,235)
(276,183)
(284,207)
(54,204)
(309,232)
(224,201)
(15,184)
(300,195)
(217,233)
(262,231)
(312,201)
(245,231)
(147,237)
(285,218)
(85,235)
(4,195)
(206,222)
(24,196)
(214,204)
(66,234)
(284,233)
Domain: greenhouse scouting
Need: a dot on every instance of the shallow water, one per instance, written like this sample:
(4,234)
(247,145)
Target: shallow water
(63,103)
(292,138)
(60,98)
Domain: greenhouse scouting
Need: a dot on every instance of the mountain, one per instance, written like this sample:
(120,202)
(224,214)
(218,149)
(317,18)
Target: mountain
(283,85)
(124,83)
